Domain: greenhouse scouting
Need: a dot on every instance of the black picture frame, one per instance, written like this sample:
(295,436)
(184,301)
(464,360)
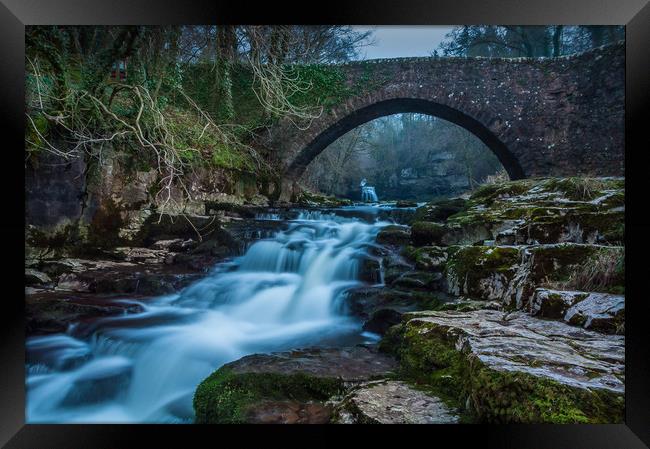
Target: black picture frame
(15,14)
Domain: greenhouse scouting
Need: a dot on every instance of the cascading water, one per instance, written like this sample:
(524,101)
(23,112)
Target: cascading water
(368,194)
(283,293)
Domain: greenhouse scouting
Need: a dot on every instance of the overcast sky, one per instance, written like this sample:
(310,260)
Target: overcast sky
(402,40)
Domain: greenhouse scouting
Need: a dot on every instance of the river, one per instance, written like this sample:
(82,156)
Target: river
(284,292)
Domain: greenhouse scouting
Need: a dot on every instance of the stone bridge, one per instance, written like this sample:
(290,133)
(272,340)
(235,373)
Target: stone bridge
(540,117)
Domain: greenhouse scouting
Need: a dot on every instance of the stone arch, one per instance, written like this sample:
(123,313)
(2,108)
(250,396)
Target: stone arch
(404,105)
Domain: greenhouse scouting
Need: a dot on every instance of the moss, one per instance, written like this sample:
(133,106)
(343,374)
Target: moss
(427,233)
(470,265)
(439,211)
(310,199)
(429,355)
(226,396)
(393,234)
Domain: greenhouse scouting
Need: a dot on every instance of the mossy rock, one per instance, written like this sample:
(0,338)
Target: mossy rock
(481,271)
(227,397)
(394,235)
(427,233)
(455,362)
(439,211)
(430,258)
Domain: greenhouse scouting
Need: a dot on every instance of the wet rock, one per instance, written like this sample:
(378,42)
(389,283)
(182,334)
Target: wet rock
(174,245)
(418,280)
(514,367)
(554,303)
(430,258)
(381,320)
(33,277)
(364,301)
(392,402)
(370,270)
(49,312)
(394,235)
(274,387)
(71,282)
(599,311)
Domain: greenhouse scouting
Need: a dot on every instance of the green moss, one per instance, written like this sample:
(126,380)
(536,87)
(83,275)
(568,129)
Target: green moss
(470,265)
(427,233)
(393,234)
(439,211)
(428,355)
(225,396)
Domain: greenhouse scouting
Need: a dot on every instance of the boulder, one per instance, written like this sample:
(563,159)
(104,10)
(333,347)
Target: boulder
(513,367)
(34,277)
(392,402)
(275,387)
(599,311)
(548,303)
(394,235)
(481,272)
(381,320)
(427,233)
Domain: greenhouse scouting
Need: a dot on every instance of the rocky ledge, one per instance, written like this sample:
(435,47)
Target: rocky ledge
(289,387)
(511,367)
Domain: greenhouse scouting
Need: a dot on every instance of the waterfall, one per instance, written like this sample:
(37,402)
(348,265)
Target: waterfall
(368,194)
(284,292)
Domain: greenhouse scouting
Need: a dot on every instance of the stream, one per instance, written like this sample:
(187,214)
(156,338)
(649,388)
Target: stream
(283,293)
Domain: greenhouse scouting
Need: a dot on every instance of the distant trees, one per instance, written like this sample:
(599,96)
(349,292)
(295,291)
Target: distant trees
(526,41)
(404,156)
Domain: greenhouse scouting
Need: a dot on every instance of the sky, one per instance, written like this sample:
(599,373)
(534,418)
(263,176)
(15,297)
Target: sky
(403,41)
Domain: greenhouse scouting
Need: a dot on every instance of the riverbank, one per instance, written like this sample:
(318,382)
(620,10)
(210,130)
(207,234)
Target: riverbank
(470,296)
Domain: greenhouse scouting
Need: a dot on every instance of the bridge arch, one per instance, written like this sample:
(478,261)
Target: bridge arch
(397,106)
(559,116)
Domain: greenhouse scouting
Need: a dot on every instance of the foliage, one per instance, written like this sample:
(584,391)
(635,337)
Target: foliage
(528,40)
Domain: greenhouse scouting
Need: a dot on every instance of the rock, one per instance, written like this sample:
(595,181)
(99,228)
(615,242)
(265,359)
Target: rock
(430,258)
(440,210)
(141,255)
(174,245)
(553,264)
(554,303)
(427,233)
(554,210)
(370,270)
(392,402)
(289,412)
(56,268)
(363,301)
(240,391)
(599,311)
(418,280)
(71,282)
(511,274)
(394,235)
(48,312)
(405,203)
(481,272)
(514,367)
(381,320)
(36,277)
